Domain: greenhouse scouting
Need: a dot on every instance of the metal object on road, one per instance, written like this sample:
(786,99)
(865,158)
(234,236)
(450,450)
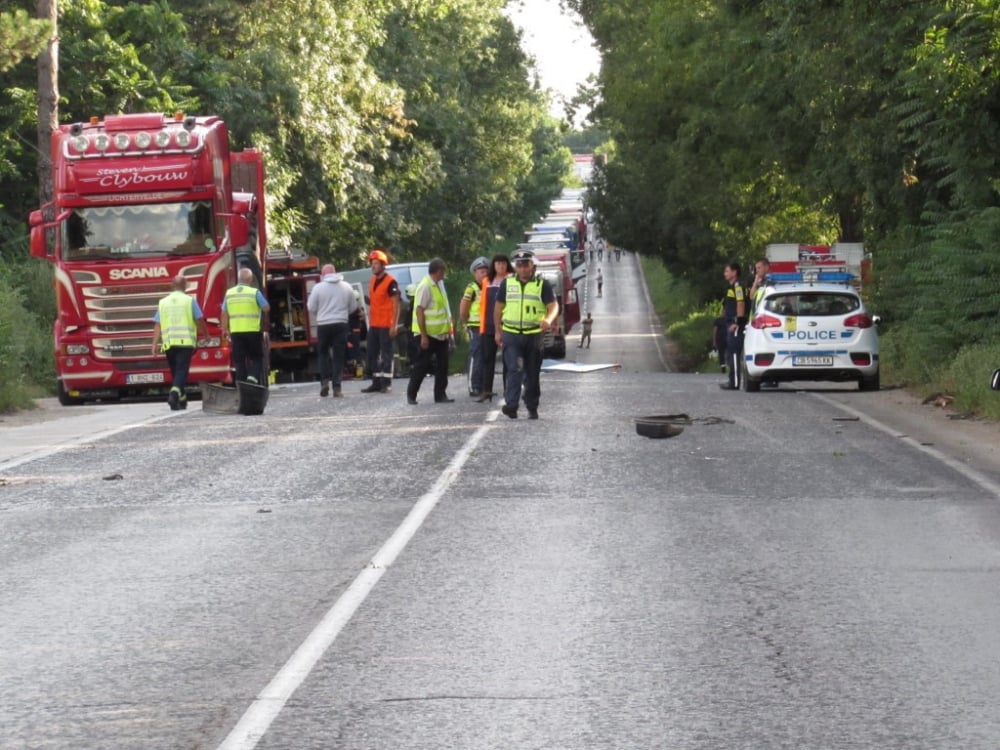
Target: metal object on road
(217,398)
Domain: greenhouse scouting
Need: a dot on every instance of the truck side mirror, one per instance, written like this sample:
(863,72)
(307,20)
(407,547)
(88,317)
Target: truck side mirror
(43,243)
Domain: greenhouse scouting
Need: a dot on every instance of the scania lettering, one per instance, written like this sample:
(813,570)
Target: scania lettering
(138,200)
(138,273)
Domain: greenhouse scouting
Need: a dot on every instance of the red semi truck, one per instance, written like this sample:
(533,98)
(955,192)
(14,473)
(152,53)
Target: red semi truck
(138,200)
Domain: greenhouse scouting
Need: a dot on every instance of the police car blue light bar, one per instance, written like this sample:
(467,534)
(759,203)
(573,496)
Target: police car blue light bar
(799,277)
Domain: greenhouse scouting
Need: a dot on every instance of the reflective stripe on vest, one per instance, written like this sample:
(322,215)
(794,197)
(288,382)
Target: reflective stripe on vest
(436,316)
(177,326)
(524,310)
(242,309)
(472,292)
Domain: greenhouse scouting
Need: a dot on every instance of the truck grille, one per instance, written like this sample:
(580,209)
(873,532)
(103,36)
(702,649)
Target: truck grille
(121,318)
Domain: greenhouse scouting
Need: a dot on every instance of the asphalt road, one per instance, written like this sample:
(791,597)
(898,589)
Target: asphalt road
(363,574)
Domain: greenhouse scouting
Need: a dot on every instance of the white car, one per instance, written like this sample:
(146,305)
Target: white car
(811,331)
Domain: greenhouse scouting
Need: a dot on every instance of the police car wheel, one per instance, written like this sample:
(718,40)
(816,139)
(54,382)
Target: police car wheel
(870,384)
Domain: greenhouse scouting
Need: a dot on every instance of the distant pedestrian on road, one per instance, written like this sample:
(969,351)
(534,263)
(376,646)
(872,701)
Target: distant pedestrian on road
(588,326)
(600,282)
(431,324)
(246,322)
(177,324)
(526,307)
(331,304)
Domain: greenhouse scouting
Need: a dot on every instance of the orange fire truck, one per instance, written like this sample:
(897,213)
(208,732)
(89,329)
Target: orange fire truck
(140,199)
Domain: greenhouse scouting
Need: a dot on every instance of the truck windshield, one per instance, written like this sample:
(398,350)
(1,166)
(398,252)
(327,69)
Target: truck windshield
(116,232)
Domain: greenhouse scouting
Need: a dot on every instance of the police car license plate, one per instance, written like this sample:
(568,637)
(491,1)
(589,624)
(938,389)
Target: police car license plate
(140,378)
(812,361)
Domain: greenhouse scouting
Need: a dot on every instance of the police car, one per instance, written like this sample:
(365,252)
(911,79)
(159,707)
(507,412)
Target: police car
(811,326)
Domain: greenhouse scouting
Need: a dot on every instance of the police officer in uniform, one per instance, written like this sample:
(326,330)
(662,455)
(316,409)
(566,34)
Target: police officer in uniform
(525,308)
(734,312)
(178,323)
(245,322)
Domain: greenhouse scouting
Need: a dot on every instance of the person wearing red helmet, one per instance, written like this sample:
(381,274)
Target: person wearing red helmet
(383,322)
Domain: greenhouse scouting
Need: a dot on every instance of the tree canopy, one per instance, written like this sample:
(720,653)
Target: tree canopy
(736,124)
(410,124)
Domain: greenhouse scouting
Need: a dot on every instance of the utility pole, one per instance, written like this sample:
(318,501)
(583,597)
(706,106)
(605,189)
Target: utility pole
(48,98)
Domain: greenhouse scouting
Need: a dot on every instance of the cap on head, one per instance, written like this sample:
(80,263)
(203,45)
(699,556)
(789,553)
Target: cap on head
(478,263)
(378,255)
(523,256)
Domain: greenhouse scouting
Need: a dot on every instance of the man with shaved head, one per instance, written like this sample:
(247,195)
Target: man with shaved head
(245,322)
(331,304)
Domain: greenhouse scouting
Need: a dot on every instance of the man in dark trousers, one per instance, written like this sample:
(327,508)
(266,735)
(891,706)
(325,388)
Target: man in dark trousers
(734,311)
(245,323)
(177,324)
(433,327)
(526,307)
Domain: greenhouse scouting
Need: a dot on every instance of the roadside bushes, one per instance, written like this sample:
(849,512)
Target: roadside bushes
(688,323)
(26,366)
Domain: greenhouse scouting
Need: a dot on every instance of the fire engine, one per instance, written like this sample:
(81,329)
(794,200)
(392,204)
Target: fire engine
(138,200)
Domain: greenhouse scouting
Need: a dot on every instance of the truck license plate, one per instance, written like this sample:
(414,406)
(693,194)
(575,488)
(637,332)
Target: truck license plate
(812,361)
(140,378)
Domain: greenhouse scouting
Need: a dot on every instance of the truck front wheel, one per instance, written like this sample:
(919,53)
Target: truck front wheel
(65,399)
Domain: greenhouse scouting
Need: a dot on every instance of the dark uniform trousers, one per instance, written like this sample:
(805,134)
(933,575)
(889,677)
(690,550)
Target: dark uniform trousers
(522,358)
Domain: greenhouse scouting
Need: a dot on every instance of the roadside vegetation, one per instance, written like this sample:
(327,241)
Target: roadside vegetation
(735,125)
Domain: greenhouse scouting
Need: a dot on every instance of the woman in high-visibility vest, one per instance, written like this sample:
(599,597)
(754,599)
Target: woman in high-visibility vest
(468,314)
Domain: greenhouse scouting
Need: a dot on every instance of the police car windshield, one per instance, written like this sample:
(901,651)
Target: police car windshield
(812,303)
(147,231)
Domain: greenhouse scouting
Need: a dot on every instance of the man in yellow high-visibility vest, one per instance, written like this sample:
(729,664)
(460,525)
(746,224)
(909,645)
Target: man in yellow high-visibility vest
(526,307)
(177,324)
(432,326)
(245,322)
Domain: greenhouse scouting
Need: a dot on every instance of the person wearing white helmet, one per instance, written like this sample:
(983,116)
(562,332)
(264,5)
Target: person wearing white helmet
(526,307)
(468,313)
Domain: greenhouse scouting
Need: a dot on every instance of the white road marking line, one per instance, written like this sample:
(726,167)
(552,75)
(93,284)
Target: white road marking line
(272,699)
(969,473)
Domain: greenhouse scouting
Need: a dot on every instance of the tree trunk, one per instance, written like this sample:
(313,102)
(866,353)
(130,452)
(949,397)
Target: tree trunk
(48,98)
